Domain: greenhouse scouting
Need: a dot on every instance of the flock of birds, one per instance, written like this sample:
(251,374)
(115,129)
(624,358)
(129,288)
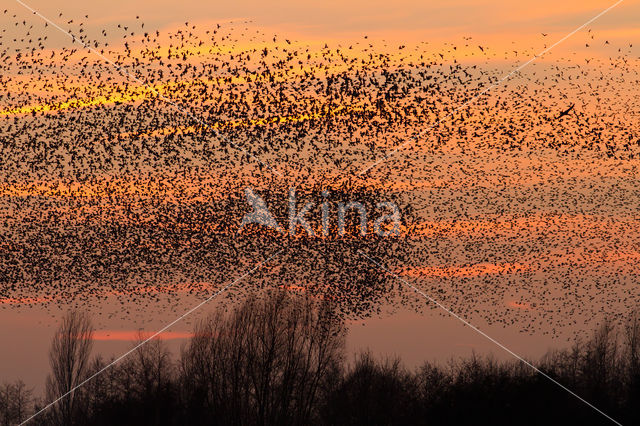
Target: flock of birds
(125,181)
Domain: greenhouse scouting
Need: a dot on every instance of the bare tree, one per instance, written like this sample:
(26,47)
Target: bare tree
(632,345)
(15,402)
(264,363)
(69,359)
(600,364)
(631,366)
(153,379)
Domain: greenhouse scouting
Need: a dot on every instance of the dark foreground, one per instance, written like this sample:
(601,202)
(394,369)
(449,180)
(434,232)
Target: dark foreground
(280,360)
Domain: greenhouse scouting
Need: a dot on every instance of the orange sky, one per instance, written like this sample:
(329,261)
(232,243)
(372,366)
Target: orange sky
(489,21)
(339,18)
(500,24)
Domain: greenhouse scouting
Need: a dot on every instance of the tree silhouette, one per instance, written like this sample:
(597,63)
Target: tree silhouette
(69,359)
(279,359)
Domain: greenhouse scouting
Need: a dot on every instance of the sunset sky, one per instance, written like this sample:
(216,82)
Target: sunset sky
(515,239)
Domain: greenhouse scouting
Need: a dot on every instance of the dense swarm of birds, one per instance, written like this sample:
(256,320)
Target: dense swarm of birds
(124,165)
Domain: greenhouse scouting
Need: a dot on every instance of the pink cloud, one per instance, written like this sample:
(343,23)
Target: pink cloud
(134,335)
(464,271)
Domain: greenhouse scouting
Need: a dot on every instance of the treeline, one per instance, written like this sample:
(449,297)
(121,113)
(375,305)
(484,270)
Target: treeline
(280,360)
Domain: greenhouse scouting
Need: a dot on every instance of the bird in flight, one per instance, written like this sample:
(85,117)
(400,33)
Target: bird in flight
(566,111)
